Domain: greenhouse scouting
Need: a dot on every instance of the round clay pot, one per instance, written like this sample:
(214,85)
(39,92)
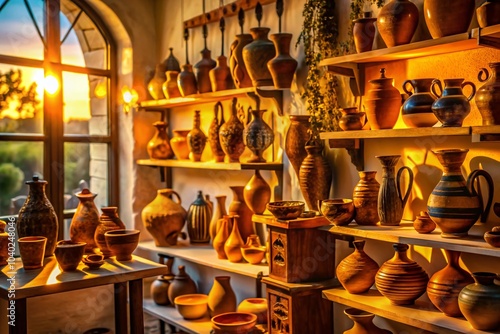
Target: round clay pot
(108,221)
(397,22)
(363,32)
(169,87)
(179,144)
(417,109)
(365,199)
(488,14)
(257,193)
(351,119)
(221,298)
(85,221)
(448,17)
(69,254)
(296,138)
(452,106)
(488,96)
(122,243)
(423,223)
(383,102)
(363,323)
(257,54)
(182,284)
(257,306)
(283,66)
(159,146)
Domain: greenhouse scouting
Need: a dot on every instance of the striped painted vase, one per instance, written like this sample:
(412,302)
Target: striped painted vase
(198,220)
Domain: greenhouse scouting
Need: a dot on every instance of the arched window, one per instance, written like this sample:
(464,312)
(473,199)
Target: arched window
(57,108)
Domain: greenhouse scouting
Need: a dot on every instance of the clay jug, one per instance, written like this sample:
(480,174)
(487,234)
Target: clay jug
(363,322)
(238,207)
(257,136)
(417,109)
(221,298)
(231,135)
(452,106)
(169,87)
(397,22)
(357,271)
(401,279)
(196,139)
(164,218)
(198,220)
(221,237)
(186,81)
(351,119)
(363,32)
(445,285)
(315,176)
(365,198)
(283,66)
(237,65)
(488,96)
(213,133)
(234,242)
(257,193)
(182,284)
(448,17)
(488,14)
(454,204)
(179,144)
(159,287)
(37,216)
(159,146)
(218,213)
(108,221)
(383,102)
(4,243)
(295,141)
(257,54)
(85,221)
(391,201)
(202,69)
(155,88)
(171,63)
(480,302)
(220,76)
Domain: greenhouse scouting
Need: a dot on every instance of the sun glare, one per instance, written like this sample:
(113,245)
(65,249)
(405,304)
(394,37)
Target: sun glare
(51,84)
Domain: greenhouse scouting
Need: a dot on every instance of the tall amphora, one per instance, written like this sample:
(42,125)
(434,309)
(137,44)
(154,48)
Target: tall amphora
(296,138)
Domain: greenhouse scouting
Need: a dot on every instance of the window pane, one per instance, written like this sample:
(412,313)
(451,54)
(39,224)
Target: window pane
(19,161)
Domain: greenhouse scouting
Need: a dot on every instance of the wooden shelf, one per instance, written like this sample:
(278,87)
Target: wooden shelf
(206,256)
(485,133)
(211,165)
(422,315)
(291,224)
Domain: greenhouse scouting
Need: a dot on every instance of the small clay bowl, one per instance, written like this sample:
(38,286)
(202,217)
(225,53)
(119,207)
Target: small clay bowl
(252,254)
(93,261)
(492,238)
(338,211)
(122,243)
(69,254)
(286,210)
(192,306)
(234,322)
(423,223)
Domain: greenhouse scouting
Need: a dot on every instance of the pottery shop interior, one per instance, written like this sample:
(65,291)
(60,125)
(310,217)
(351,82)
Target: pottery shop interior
(244,166)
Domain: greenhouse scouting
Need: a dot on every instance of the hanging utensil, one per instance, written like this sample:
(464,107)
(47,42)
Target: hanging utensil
(279,11)
(258,13)
(241,19)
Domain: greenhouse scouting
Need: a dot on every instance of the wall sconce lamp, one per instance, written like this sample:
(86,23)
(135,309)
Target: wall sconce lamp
(129,98)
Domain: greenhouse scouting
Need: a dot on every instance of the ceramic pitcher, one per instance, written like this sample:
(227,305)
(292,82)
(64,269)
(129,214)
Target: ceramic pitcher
(452,106)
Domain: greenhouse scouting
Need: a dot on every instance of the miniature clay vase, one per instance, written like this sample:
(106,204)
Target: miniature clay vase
(202,69)
(196,139)
(179,144)
(363,32)
(257,193)
(257,136)
(182,284)
(108,221)
(357,271)
(186,81)
(452,106)
(488,96)
(391,201)
(37,216)
(221,237)
(488,14)
(155,85)
(448,17)
(237,65)
(238,207)
(480,302)
(445,285)
(4,243)
(85,221)
(221,298)
(257,54)
(159,146)
(351,119)
(164,218)
(198,220)
(220,76)
(159,287)
(231,135)
(283,66)
(383,102)
(295,141)
(169,87)
(417,109)
(454,204)
(423,223)
(218,212)
(397,22)
(233,244)
(213,133)
(365,199)
(401,279)
(363,322)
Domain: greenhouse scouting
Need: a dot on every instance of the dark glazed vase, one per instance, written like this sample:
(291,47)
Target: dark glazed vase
(37,216)
(296,138)
(488,14)
(196,139)
(198,220)
(397,22)
(159,145)
(448,17)
(417,109)
(488,96)
(257,54)
(452,106)
(231,135)
(186,81)
(363,32)
(108,221)
(155,85)
(169,87)
(283,66)
(351,119)
(171,63)
(257,193)
(383,102)
(238,207)
(365,199)
(85,220)
(237,66)
(363,323)
(182,284)
(202,69)
(220,76)
(213,133)
(257,136)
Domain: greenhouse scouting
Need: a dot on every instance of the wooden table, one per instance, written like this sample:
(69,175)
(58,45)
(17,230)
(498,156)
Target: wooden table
(50,279)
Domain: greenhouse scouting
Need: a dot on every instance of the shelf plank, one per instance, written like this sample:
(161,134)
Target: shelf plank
(397,133)
(210,164)
(405,233)
(206,255)
(291,224)
(485,133)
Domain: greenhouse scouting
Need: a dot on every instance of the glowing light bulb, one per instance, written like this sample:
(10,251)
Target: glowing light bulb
(101,90)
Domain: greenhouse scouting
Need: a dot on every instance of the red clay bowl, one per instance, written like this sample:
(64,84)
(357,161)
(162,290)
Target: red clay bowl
(492,238)
(122,243)
(234,323)
(69,254)
(93,261)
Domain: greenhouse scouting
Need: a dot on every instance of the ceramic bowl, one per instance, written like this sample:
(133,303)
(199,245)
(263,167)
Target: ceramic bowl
(252,254)
(338,211)
(192,306)
(286,210)
(493,238)
(234,322)
(122,243)
(93,261)
(69,254)
(257,306)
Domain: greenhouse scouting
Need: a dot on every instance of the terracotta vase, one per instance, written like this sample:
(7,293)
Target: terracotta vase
(238,207)
(221,237)
(237,65)
(179,144)
(37,216)
(257,54)
(401,279)
(448,17)
(155,88)
(417,109)
(198,220)
(488,96)
(221,298)
(159,146)
(257,136)
(283,66)
(357,271)
(445,285)
(452,106)
(4,243)
(182,284)
(365,199)
(202,70)
(391,201)
(383,102)
(220,76)
(231,135)
(159,287)
(315,176)
(233,244)
(196,139)
(85,220)
(108,221)
(363,32)
(171,63)
(363,322)
(169,87)
(397,22)
(164,218)
(218,212)
(488,14)
(351,119)
(257,306)
(257,193)
(186,81)
(213,133)
(295,141)
(423,223)
(454,204)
